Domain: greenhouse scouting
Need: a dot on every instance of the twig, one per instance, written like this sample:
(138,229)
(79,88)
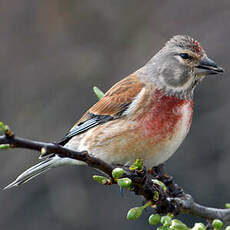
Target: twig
(142,181)
(17,142)
(188,205)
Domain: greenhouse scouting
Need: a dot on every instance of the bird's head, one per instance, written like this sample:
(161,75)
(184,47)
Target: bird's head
(180,65)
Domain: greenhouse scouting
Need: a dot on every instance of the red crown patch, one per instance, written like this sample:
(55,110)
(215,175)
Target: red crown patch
(198,48)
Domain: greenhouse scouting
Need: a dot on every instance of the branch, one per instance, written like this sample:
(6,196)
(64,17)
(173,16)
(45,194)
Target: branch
(173,200)
(17,142)
(188,205)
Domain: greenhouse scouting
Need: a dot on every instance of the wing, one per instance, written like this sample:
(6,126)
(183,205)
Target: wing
(110,107)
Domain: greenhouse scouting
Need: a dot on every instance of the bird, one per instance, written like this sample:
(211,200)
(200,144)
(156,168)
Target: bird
(146,115)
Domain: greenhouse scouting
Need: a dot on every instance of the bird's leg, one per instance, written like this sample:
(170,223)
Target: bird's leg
(159,173)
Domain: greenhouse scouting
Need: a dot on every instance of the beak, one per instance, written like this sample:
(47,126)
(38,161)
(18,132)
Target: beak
(207,66)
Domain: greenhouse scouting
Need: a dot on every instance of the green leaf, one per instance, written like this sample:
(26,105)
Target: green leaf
(134,213)
(137,165)
(227,228)
(155,196)
(5,146)
(170,215)
(5,129)
(155,181)
(217,224)
(154,219)
(178,225)
(227,205)
(149,203)
(2,127)
(166,221)
(124,182)
(98,92)
(117,173)
(199,226)
(101,179)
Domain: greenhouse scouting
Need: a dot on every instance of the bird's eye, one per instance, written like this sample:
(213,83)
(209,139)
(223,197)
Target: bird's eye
(185,56)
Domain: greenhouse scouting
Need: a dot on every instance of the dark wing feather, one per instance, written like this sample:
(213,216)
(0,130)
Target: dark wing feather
(110,107)
(84,126)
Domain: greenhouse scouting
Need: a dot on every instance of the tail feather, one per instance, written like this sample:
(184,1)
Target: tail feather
(42,167)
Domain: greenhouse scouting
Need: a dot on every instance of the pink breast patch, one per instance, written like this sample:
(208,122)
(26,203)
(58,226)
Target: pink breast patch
(160,120)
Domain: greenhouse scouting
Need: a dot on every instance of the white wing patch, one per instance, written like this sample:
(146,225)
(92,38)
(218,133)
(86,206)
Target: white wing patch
(134,105)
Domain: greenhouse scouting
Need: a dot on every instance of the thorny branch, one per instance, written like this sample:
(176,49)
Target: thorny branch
(173,200)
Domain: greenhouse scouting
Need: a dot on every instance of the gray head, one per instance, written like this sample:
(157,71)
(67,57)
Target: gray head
(179,66)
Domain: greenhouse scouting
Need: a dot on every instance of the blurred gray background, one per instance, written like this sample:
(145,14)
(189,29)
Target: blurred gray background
(51,55)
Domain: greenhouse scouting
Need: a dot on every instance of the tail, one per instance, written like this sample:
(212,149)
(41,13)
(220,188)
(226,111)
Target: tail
(42,167)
